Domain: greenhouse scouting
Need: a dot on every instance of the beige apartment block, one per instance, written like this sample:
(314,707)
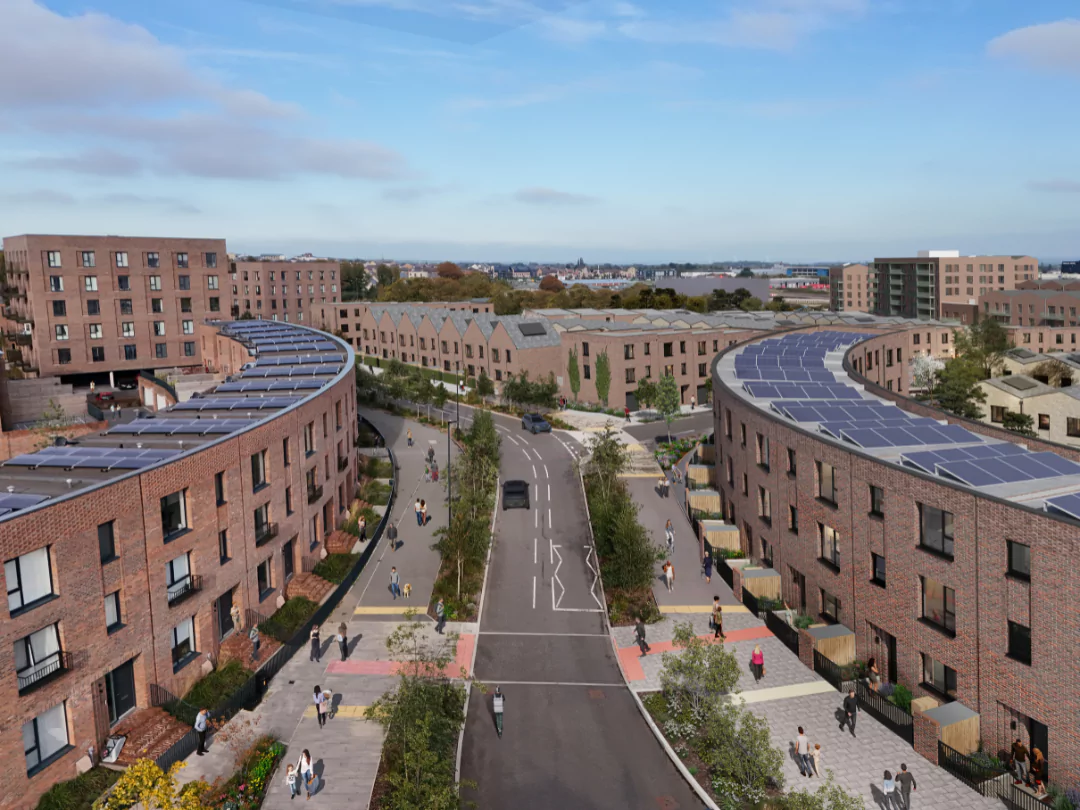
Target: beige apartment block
(851,288)
(1055,412)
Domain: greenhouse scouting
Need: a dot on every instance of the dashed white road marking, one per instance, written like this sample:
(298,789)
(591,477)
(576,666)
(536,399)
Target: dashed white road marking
(538,456)
(546,472)
(549,492)
(526,452)
(534,471)
(534,593)
(549,518)
(535,544)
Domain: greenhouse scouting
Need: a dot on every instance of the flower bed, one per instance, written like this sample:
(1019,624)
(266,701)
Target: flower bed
(335,567)
(246,788)
(79,793)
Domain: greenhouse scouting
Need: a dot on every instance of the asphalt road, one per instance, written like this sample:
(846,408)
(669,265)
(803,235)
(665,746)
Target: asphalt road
(700,422)
(573,737)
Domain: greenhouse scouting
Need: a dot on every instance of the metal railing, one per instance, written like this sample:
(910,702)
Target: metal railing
(183,588)
(783,631)
(265,533)
(314,493)
(888,714)
(984,778)
(181,749)
(751,602)
(828,670)
(53,667)
(725,573)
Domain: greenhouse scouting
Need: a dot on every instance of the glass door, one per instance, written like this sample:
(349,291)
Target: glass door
(224,612)
(120,691)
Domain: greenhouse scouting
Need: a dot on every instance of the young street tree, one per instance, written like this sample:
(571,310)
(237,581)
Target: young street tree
(573,372)
(984,344)
(699,675)
(957,389)
(667,399)
(603,376)
(646,393)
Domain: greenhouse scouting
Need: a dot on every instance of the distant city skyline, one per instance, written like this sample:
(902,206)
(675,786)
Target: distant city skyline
(548,129)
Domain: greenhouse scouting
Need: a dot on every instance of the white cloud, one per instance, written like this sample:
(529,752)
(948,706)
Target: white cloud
(540,195)
(1051,46)
(40,198)
(1059,186)
(572,30)
(414,193)
(78,78)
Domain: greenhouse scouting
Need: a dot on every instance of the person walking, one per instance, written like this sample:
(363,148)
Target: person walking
(639,634)
(435,473)
(906,782)
(851,709)
(1020,761)
(815,759)
(802,752)
(423,513)
(416,508)
(706,565)
(427,473)
(440,615)
(669,535)
(888,789)
(290,781)
(757,663)
(320,705)
(408,436)
(307,772)
(253,636)
(873,676)
(343,640)
(626,411)
(717,619)
(237,618)
(362,527)
(660,485)
(693,402)
(201,720)
(497,706)
(669,575)
(391,535)
(1037,773)
(316,645)
(395,582)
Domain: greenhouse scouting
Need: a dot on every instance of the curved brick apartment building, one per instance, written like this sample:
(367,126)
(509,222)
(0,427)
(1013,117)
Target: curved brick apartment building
(960,577)
(125,552)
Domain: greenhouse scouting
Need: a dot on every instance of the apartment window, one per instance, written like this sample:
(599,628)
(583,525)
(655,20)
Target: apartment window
(791,467)
(937,676)
(793,519)
(938,605)
(877,501)
(215,304)
(183,643)
(37,656)
(93,307)
(764,504)
(1020,643)
(1044,421)
(742,433)
(830,545)
(830,606)
(106,537)
(121,258)
(45,738)
(63,356)
(631,375)
(54,258)
(123,282)
(125,306)
(178,576)
(648,372)
(153,260)
(588,371)
(877,569)
(113,618)
(127,328)
(90,283)
(1019,560)
(184,282)
(763,451)
(288,501)
(59,309)
(56,283)
(682,347)
(701,347)
(210,260)
(219,487)
(648,349)
(130,352)
(628,351)
(701,370)
(185,305)
(263,578)
(189,348)
(223,546)
(668,351)
(826,482)
(936,530)
(97,354)
(188,327)
(88,258)
(159,328)
(997,414)
(174,514)
(61,331)
(287,459)
(262,522)
(155,283)
(95,331)
(29,580)
(181,260)
(258,470)
(309,438)
(745,485)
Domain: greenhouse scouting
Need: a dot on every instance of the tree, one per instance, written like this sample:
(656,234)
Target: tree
(1053,372)
(484,386)
(751,304)
(830,796)
(147,784)
(573,372)
(957,389)
(668,400)
(646,393)
(1021,423)
(603,376)
(924,372)
(736,298)
(984,343)
(551,283)
(52,424)
(778,304)
(737,747)
(719,300)
(386,275)
(746,272)
(699,675)
(449,270)
(354,281)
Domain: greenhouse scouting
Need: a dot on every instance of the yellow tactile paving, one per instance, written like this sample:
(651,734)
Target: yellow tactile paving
(351,712)
(390,609)
(702,609)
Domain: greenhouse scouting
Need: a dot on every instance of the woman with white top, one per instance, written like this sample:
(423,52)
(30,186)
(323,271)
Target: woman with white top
(888,787)
(307,771)
(320,705)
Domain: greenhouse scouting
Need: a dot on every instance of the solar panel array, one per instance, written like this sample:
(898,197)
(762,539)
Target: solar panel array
(328,369)
(235,403)
(243,385)
(929,459)
(298,359)
(1066,504)
(173,427)
(1012,469)
(833,411)
(90,457)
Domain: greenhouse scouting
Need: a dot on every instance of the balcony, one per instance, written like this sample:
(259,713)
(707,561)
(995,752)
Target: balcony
(265,533)
(48,670)
(183,588)
(342,463)
(314,493)
(23,339)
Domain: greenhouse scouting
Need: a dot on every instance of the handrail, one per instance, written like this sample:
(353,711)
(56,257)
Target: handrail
(146,375)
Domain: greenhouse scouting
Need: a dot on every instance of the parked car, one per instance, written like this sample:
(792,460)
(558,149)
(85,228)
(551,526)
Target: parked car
(516,495)
(535,423)
(104,396)
(127,385)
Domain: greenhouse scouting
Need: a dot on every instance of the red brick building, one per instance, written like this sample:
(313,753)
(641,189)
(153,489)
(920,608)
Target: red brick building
(82,305)
(960,592)
(121,567)
(284,291)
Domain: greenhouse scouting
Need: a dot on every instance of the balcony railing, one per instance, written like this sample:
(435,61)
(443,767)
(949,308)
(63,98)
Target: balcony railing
(183,588)
(51,668)
(23,339)
(314,493)
(342,463)
(265,533)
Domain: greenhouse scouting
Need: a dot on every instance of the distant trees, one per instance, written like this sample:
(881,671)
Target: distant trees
(354,281)
(484,386)
(751,304)
(551,284)
(523,391)
(746,272)
(646,393)
(984,344)
(386,275)
(449,270)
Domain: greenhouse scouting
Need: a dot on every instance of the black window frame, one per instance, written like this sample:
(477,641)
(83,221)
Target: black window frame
(107,541)
(947,547)
(1019,643)
(41,600)
(97,354)
(830,556)
(1012,570)
(944,625)
(263,593)
(119,623)
(877,501)
(878,570)
(223,546)
(830,497)
(948,675)
(825,599)
(792,461)
(59,308)
(185,524)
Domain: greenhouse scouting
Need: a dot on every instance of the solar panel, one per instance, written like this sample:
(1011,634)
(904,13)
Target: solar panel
(532,329)
(1019,383)
(19,500)
(1066,504)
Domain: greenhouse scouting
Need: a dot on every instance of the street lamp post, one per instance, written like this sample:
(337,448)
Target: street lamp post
(449,478)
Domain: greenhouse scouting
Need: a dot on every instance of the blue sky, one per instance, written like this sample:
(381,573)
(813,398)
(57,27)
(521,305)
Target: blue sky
(548,129)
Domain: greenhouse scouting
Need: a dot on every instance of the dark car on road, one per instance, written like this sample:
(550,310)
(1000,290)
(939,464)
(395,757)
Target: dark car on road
(535,423)
(516,495)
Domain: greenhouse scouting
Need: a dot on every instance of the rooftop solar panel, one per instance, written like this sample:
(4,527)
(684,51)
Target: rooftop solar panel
(1065,504)
(19,500)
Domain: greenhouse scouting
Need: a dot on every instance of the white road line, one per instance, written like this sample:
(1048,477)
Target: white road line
(536,523)
(549,518)
(534,471)
(549,492)
(534,593)
(546,472)
(579,610)
(538,456)
(590,553)
(556,683)
(551,548)
(557,635)
(535,544)
(526,452)
(536,497)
